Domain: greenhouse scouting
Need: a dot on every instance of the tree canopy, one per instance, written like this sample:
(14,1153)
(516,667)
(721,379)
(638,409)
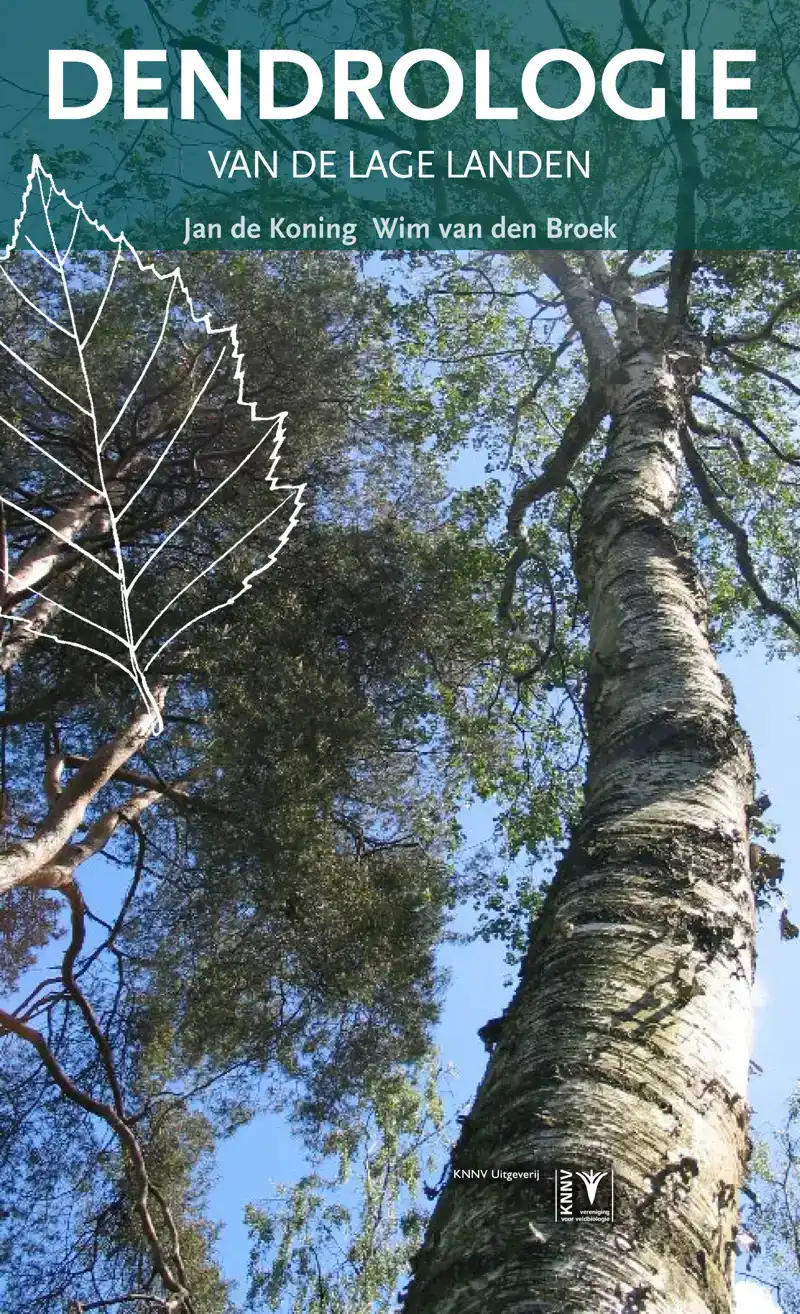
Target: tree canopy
(282,855)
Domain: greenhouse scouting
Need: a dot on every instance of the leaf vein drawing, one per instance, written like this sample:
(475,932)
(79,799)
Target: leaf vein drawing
(41,377)
(121,412)
(200,575)
(195,511)
(187,417)
(85,620)
(119,512)
(105,296)
(37,309)
(48,455)
(63,538)
(41,254)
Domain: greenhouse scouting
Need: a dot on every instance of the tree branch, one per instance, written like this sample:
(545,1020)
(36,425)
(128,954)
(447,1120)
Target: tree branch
(132,1298)
(128,1141)
(22,863)
(35,566)
(26,632)
(178,792)
(754,367)
(555,472)
(138,872)
(750,423)
(762,333)
(74,991)
(739,535)
(579,300)
(682,261)
(60,872)
(31,711)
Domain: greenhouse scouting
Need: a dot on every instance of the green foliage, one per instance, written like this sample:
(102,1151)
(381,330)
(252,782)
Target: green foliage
(339,1242)
(29,919)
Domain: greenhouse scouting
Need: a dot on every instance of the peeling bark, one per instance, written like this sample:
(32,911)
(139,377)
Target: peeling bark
(627,1042)
(60,872)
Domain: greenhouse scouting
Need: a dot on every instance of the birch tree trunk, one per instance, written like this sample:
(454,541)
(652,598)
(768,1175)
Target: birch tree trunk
(627,1043)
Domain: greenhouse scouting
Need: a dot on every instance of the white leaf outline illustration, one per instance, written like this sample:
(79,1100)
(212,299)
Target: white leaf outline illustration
(38,177)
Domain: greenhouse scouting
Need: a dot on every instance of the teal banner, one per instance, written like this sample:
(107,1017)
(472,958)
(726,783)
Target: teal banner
(395,125)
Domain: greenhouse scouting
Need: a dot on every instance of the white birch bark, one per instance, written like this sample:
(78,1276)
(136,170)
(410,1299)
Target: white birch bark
(628,1040)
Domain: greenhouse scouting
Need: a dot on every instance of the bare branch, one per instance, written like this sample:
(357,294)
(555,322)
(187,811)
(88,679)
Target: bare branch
(36,619)
(579,299)
(60,872)
(730,437)
(132,1298)
(128,1141)
(78,922)
(35,566)
(177,791)
(533,392)
(53,773)
(691,175)
(86,510)
(540,665)
(138,872)
(649,281)
(754,367)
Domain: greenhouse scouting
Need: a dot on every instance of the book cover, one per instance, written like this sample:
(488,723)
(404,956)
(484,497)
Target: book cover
(399,620)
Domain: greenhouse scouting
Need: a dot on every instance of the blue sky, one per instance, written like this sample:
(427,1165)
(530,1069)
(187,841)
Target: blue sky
(769,707)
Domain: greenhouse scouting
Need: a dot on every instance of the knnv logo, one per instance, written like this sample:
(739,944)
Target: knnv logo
(584,1196)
